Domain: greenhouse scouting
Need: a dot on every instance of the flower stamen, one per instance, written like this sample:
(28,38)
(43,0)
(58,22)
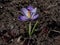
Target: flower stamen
(29,14)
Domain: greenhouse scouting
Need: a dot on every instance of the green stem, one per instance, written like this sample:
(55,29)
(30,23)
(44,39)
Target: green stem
(29,29)
(34,27)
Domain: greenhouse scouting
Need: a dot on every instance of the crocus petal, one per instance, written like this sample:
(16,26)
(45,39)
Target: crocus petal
(30,8)
(34,17)
(23,18)
(24,11)
(33,12)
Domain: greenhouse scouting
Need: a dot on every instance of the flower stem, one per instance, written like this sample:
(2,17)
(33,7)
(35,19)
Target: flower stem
(34,27)
(29,29)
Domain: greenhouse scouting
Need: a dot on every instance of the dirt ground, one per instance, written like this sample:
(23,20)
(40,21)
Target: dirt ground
(13,31)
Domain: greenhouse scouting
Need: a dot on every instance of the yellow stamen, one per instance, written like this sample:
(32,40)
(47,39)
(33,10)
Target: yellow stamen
(29,14)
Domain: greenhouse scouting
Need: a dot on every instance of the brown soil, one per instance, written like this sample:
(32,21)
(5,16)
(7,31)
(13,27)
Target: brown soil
(13,31)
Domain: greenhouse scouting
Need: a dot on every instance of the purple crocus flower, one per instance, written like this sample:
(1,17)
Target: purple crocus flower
(29,13)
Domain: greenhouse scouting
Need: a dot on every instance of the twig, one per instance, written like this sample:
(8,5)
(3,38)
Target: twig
(51,6)
(56,31)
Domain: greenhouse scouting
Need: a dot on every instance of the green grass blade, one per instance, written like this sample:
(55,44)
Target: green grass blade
(34,27)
